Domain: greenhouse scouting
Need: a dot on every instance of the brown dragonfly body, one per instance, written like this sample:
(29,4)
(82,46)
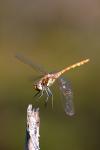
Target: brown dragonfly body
(48,79)
(45,82)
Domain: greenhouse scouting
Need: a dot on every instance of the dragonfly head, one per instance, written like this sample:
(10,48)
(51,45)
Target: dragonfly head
(36,87)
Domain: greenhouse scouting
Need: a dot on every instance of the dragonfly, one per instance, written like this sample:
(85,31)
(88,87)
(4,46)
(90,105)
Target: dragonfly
(46,80)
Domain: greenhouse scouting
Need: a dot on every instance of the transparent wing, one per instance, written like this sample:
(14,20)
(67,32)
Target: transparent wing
(30,63)
(35,78)
(66,90)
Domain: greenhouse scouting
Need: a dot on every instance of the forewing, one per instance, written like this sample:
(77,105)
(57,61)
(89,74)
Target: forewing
(35,78)
(30,63)
(66,90)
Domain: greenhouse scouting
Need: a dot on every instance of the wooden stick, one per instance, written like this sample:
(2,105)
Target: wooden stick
(32,130)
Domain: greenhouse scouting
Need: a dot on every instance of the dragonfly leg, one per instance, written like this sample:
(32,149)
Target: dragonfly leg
(46,90)
(50,94)
(37,93)
(41,94)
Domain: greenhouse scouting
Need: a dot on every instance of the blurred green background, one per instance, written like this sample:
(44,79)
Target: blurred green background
(55,34)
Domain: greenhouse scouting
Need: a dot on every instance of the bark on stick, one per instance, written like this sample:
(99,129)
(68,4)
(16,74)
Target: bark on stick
(32,130)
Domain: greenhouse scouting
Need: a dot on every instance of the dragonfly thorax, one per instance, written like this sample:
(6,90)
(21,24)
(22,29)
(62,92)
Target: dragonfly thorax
(46,81)
(50,81)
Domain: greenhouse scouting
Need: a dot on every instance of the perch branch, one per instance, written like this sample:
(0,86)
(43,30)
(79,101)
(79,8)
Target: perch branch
(32,130)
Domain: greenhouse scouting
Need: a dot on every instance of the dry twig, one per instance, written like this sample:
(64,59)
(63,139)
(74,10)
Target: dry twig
(32,130)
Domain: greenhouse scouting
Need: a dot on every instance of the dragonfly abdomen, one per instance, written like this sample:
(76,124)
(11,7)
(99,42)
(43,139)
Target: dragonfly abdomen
(58,74)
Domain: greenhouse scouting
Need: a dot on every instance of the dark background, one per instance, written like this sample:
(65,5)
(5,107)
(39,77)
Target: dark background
(55,34)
